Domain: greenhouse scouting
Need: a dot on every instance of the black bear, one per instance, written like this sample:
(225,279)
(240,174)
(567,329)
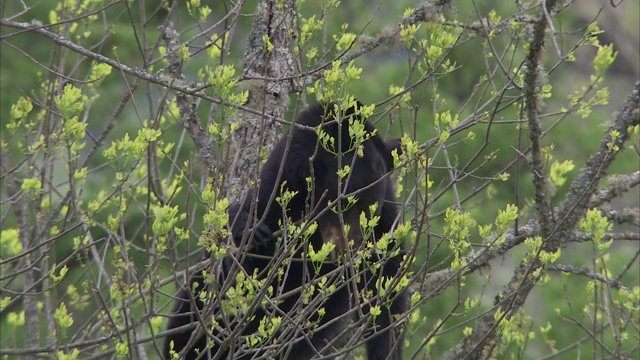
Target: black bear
(327,172)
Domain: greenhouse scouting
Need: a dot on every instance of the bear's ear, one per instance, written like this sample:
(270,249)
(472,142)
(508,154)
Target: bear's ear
(393,144)
(331,110)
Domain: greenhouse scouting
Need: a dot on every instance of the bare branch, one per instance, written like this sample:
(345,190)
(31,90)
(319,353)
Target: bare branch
(618,185)
(531,90)
(629,235)
(588,273)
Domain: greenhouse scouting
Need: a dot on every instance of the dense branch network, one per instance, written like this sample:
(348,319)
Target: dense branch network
(270,77)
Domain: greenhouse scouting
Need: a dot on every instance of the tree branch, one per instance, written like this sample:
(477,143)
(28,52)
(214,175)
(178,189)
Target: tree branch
(573,208)
(618,184)
(257,133)
(531,92)
(585,185)
(588,273)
